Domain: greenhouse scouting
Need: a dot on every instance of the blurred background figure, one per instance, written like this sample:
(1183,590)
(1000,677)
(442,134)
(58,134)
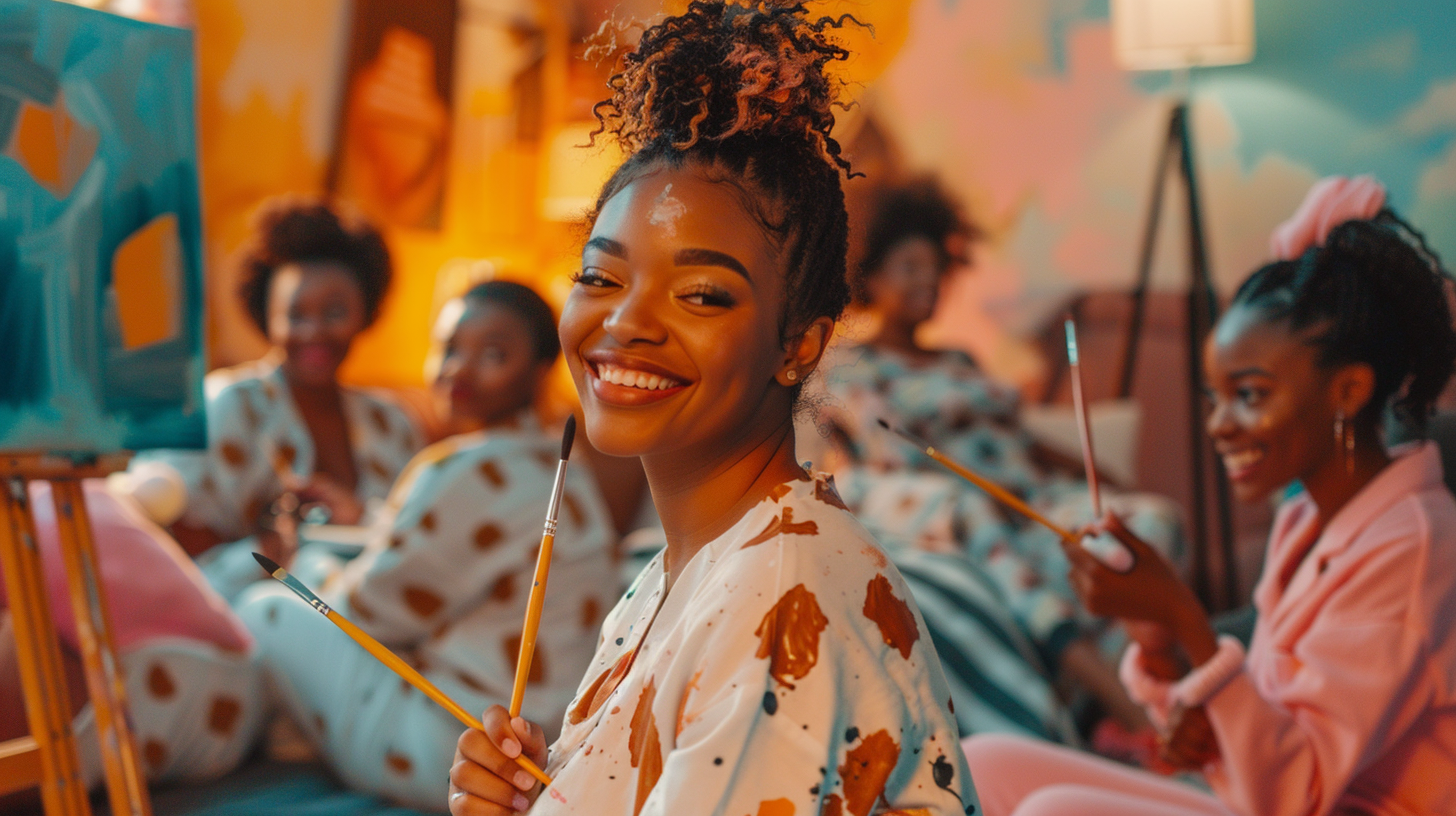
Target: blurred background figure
(282,431)
(446,574)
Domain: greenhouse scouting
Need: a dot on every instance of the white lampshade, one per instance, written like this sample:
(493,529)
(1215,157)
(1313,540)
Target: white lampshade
(1164,34)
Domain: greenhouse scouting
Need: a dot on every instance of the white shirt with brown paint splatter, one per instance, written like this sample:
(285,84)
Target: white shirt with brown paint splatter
(787,672)
(254,431)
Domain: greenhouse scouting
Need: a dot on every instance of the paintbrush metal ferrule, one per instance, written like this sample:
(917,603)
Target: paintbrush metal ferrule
(553,509)
(1071,330)
(283,576)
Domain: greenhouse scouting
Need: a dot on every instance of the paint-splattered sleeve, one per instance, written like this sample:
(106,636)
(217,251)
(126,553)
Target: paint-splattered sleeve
(807,694)
(467,522)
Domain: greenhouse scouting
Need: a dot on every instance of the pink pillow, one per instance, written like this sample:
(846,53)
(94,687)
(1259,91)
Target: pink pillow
(153,588)
(1330,202)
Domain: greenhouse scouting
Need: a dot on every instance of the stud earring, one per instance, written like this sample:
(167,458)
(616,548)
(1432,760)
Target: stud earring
(791,375)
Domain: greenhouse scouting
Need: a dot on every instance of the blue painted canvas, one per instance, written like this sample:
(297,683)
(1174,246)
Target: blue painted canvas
(101,333)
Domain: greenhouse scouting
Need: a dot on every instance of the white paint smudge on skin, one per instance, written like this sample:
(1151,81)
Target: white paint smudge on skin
(666,211)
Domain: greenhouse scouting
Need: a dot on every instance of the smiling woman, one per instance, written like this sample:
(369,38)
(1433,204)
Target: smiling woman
(1344,703)
(770,658)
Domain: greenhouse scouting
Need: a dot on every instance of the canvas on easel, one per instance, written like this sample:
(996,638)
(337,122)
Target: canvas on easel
(102,338)
(100,233)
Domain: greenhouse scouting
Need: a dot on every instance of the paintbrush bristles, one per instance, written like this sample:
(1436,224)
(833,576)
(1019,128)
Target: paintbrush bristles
(906,435)
(269,566)
(568,436)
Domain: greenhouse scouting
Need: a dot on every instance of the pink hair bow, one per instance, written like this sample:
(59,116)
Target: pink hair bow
(1331,202)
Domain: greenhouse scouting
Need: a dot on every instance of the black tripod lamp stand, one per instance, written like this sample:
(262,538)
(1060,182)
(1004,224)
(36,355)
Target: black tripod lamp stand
(1178,35)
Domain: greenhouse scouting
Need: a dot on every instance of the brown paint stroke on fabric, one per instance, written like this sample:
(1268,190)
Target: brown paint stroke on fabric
(789,635)
(865,771)
(783,525)
(892,615)
(645,746)
(601,688)
(683,718)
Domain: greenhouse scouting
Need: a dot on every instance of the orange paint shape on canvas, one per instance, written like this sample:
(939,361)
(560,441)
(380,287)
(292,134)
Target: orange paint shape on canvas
(146,272)
(54,148)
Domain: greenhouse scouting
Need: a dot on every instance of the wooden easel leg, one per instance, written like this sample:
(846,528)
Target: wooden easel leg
(125,777)
(47,705)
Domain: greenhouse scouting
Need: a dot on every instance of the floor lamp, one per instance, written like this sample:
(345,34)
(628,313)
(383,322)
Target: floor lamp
(1178,35)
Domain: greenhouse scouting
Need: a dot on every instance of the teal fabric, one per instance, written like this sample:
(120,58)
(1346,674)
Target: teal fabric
(271,789)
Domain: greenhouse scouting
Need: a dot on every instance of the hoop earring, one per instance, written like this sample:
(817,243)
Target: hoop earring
(1350,450)
(1345,437)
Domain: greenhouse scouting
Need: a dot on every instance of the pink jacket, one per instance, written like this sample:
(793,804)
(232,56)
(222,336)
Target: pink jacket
(1348,697)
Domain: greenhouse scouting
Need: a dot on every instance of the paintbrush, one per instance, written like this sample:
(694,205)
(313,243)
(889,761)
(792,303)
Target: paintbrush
(1103,547)
(532,625)
(1084,426)
(388,658)
(997,492)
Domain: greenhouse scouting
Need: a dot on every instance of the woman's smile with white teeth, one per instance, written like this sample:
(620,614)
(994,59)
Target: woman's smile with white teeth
(617,375)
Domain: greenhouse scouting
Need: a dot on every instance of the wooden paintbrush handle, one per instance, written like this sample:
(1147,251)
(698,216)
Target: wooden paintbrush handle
(419,681)
(533,623)
(1001,494)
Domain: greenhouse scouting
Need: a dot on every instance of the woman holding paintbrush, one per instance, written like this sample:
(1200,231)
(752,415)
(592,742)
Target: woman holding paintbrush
(770,659)
(1346,700)
(445,579)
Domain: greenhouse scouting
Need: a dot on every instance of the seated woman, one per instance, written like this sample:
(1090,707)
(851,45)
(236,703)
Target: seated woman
(446,577)
(916,237)
(188,662)
(1346,701)
(312,281)
(770,659)
(986,594)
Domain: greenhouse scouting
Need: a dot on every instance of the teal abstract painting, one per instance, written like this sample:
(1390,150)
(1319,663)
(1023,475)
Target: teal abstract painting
(101,332)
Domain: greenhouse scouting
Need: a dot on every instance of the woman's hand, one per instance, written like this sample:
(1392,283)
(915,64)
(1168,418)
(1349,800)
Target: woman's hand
(1158,645)
(344,506)
(1189,742)
(485,779)
(1149,592)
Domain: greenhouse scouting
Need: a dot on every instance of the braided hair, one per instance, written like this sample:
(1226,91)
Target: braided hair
(1374,293)
(739,89)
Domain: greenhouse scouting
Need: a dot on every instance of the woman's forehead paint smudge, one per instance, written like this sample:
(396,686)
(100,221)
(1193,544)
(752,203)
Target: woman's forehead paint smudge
(666,210)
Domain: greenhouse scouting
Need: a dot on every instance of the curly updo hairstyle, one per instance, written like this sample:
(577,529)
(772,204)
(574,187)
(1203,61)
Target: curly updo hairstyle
(1375,293)
(290,230)
(522,301)
(740,91)
(920,208)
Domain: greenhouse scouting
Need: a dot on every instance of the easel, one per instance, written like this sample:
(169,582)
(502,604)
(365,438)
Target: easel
(47,758)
